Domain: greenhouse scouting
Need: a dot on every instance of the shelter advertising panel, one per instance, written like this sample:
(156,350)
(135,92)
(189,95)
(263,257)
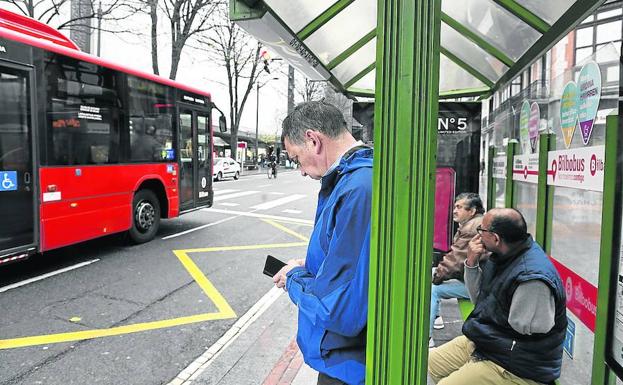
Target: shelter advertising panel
(579,168)
(499,167)
(526,168)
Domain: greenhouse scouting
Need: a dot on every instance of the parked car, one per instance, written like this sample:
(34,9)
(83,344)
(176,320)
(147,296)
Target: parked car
(225,167)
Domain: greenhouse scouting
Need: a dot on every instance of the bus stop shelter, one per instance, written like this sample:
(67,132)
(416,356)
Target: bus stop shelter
(407,55)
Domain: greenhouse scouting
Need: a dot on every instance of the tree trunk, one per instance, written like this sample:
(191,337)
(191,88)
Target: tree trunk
(153,8)
(233,144)
(176,52)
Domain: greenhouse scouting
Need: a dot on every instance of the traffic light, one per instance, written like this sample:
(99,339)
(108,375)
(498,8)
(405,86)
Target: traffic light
(266,59)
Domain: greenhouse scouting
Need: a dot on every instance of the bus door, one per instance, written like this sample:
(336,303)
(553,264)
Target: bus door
(195,158)
(17,165)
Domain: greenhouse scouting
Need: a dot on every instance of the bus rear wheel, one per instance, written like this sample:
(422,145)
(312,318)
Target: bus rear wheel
(145,216)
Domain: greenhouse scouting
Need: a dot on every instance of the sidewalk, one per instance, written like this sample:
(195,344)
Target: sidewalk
(264,350)
(264,171)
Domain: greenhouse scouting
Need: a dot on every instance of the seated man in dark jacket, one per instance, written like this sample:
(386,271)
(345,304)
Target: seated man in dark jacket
(516,331)
(448,277)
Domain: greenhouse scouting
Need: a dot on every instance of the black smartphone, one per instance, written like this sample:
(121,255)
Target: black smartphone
(272,266)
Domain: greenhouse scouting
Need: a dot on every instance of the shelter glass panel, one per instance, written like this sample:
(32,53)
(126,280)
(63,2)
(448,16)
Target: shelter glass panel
(500,192)
(340,33)
(577,207)
(357,62)
(493,24)
(525,195)
(452,77)
(297,14)
(366,82)
(471,53)
(550,11)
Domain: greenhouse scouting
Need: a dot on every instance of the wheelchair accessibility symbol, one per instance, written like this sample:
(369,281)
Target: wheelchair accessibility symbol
(8,180)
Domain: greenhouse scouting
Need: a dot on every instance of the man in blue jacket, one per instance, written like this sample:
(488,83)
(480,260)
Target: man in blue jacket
(330,286)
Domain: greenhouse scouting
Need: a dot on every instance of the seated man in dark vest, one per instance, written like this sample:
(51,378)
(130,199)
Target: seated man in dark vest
(516,331)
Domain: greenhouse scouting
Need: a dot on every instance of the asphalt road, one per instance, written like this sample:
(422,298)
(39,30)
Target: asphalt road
(140,314)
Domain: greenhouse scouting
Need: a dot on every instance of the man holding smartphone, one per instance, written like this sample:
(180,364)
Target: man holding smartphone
(330,286)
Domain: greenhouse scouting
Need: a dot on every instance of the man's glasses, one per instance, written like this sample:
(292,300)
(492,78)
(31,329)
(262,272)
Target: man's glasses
(480,230)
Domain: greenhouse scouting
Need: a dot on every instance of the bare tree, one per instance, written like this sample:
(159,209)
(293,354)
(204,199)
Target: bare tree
(54,12)
(309,90)
(186,18)
(340,101)
(240,57)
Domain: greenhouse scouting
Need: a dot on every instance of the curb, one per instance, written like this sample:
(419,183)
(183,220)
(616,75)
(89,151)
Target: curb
(188,375)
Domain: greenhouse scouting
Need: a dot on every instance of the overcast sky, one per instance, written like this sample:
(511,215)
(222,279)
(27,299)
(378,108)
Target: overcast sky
(195,69)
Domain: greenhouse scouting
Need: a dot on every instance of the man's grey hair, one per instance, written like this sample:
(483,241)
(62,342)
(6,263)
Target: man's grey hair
(317,116)
(472,200)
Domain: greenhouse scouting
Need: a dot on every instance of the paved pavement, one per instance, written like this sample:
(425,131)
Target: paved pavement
(265,352)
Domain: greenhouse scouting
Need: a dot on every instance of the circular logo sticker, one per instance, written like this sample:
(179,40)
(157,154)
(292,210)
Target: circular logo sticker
(204,182)
(524,134)
(569,112)
(589,84)
(533,126)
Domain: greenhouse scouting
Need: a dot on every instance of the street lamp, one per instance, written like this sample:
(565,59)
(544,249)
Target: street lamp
(257,117)
(99,29)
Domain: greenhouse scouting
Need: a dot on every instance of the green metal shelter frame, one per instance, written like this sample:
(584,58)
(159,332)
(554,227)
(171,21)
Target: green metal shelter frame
(407,54)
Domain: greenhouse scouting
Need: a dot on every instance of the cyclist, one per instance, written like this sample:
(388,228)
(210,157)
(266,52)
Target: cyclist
(272,163)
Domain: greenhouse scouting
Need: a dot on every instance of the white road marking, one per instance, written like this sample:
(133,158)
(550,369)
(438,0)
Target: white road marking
(288,211)
(225,191)
(277,193)
(264,185)
(192,371)
(229,204)
(278,202)
(234,195)
(198,228)
(47,275)
(257,215)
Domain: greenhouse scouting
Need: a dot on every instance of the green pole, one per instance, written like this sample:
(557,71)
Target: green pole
(490,184)
(601,374)
(541,193)
(407,82)
(511,149)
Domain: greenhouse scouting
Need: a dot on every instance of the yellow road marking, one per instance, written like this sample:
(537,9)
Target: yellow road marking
(286,230)
(246,247)
(224,310)
(205,284)
(309,224)
(97,333)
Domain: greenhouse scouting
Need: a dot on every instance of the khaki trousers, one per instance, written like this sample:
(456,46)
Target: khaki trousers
(452,364)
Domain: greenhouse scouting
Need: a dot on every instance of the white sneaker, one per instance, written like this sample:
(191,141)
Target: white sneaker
(431,343)
(438,323)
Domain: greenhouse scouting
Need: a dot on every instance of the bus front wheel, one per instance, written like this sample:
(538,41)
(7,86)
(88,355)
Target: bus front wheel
(145,216)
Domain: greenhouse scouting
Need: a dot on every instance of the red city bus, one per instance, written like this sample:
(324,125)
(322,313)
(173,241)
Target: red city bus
(89,147)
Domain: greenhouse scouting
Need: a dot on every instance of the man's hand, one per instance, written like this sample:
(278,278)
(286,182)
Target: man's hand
(280,278)
(475,251)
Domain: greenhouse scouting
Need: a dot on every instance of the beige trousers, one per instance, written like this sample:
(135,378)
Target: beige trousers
(452,364)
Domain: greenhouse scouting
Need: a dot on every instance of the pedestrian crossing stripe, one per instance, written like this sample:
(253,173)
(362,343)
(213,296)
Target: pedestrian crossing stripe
(225,191)
(234,195)
(278,202)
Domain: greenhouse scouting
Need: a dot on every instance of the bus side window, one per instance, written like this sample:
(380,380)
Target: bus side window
(150,133)
(83,113)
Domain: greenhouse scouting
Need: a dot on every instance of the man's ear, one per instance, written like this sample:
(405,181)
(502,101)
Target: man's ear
(316,140)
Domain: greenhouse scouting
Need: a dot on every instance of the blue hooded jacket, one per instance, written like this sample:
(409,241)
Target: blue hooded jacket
(331,290)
